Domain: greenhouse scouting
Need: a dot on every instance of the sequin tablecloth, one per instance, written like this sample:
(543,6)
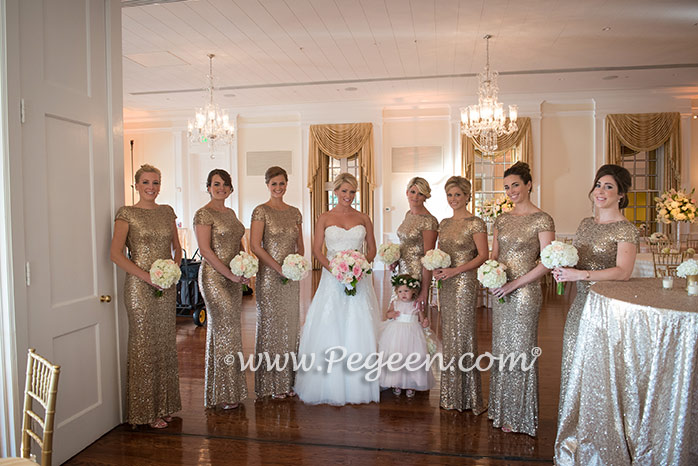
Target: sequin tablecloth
(632,396)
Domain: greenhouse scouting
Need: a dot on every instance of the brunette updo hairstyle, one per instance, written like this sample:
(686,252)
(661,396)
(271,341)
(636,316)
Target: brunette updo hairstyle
(345,178)
(273,172)
(422,186)
(622,178)
(225,176)
(522,170)
(146,168)
(461,183)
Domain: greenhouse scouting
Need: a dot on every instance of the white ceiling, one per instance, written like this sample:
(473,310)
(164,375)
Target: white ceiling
(287,52)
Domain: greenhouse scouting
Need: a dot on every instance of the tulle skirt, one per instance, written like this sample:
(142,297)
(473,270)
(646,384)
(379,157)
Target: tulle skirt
(405,338)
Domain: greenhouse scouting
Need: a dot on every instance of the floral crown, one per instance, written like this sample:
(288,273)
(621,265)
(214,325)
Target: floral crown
(407,280)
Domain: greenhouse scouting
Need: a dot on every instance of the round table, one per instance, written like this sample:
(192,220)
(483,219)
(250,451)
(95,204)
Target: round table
(632,396)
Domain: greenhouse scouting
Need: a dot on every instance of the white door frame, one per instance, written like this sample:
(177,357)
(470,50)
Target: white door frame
(13,292)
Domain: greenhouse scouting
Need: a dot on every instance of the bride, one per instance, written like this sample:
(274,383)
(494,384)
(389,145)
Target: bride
(345,324)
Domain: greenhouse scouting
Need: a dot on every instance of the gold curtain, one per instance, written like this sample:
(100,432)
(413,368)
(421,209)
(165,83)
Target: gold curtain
(644,132)
(521,137)
(340,142)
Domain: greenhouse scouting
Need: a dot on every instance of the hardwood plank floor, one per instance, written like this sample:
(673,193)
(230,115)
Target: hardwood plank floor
(395,430)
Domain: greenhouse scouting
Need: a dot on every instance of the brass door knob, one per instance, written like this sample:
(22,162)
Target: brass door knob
(105,298)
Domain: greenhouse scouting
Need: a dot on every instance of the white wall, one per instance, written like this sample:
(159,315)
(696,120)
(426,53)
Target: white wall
(568,139)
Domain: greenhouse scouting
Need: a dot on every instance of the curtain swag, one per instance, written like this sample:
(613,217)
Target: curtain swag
(646,132)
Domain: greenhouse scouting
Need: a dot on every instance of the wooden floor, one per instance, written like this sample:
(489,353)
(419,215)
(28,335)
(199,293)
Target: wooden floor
(396,430)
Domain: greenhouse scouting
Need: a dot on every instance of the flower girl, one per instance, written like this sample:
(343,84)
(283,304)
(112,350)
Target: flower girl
(403,335)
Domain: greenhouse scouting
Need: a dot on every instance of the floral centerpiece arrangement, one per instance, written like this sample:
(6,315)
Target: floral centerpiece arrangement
(388,253)
(657,237)
(349,267)
(559,254)
(493,208)
(436,259)
(492,274)
(164,273)
(687,268)
(295,268)
(676,206)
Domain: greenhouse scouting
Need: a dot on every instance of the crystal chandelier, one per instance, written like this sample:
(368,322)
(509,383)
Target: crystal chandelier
(211,124)
(486,120)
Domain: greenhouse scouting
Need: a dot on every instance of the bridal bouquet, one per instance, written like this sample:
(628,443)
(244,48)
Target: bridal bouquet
(676,206)
(349,267)
(436,259)
(295,268)
(559,254)
(493,208)
(492,275)
(687,267)
(389,253)
(244,265)
(164,273)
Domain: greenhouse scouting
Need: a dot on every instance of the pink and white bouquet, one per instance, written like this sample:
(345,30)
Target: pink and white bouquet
(559,254)
(164,273)
(676,206)
(295,268)
(493,208)
(388,252)
(244,265)
(436,259)
(657,237)
(492,274)
(349,267)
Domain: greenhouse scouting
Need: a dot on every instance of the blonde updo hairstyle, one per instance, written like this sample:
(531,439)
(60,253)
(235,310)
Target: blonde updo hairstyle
(422,186)
(461,183)
(146,168)
(345,178)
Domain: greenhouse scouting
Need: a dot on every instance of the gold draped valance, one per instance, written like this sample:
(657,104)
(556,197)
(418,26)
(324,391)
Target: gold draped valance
(340,141)
(521,137)
(645,132)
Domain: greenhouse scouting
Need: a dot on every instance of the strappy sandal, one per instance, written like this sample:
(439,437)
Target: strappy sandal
(159,423)
(410,393)
(397,391)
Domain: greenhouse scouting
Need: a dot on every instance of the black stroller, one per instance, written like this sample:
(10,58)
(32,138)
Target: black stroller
(189,298)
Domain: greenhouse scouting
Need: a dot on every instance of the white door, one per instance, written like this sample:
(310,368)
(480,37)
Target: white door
(68,191)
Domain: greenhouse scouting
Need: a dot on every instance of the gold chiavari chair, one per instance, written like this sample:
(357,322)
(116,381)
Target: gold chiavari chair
(665,264)
(659,246)
(41,386)
(692,243)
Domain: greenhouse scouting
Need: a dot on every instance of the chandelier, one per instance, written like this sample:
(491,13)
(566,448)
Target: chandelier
(486,120)
(211,124)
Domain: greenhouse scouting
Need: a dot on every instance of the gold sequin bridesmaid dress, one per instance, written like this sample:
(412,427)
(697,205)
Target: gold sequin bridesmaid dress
(225,380)
(412,242)
(152,372)
(458,296)
(278,304)
(513,401)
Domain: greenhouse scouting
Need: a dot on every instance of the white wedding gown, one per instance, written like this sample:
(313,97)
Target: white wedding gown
(335,319)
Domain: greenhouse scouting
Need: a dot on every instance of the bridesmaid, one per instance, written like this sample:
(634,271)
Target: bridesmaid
(606,244)
(417,233)
(150,233)
(519,236)
(219,234)
(464,238)
(276,231)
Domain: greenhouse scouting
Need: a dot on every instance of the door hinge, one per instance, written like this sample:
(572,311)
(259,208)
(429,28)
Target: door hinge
(28,273)
(21,111)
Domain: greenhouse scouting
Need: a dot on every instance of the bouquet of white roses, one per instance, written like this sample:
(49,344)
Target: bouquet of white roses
(559,254)
(164,273)
(389,252)
(492,275)
(687,267)
(349,267)
(295,267)
(244,265)
(436,259)
(657,237)
(493,208)
(675,206)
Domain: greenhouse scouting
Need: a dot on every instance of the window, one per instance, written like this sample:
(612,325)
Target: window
(489,175)
(646,169)
(334,168)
